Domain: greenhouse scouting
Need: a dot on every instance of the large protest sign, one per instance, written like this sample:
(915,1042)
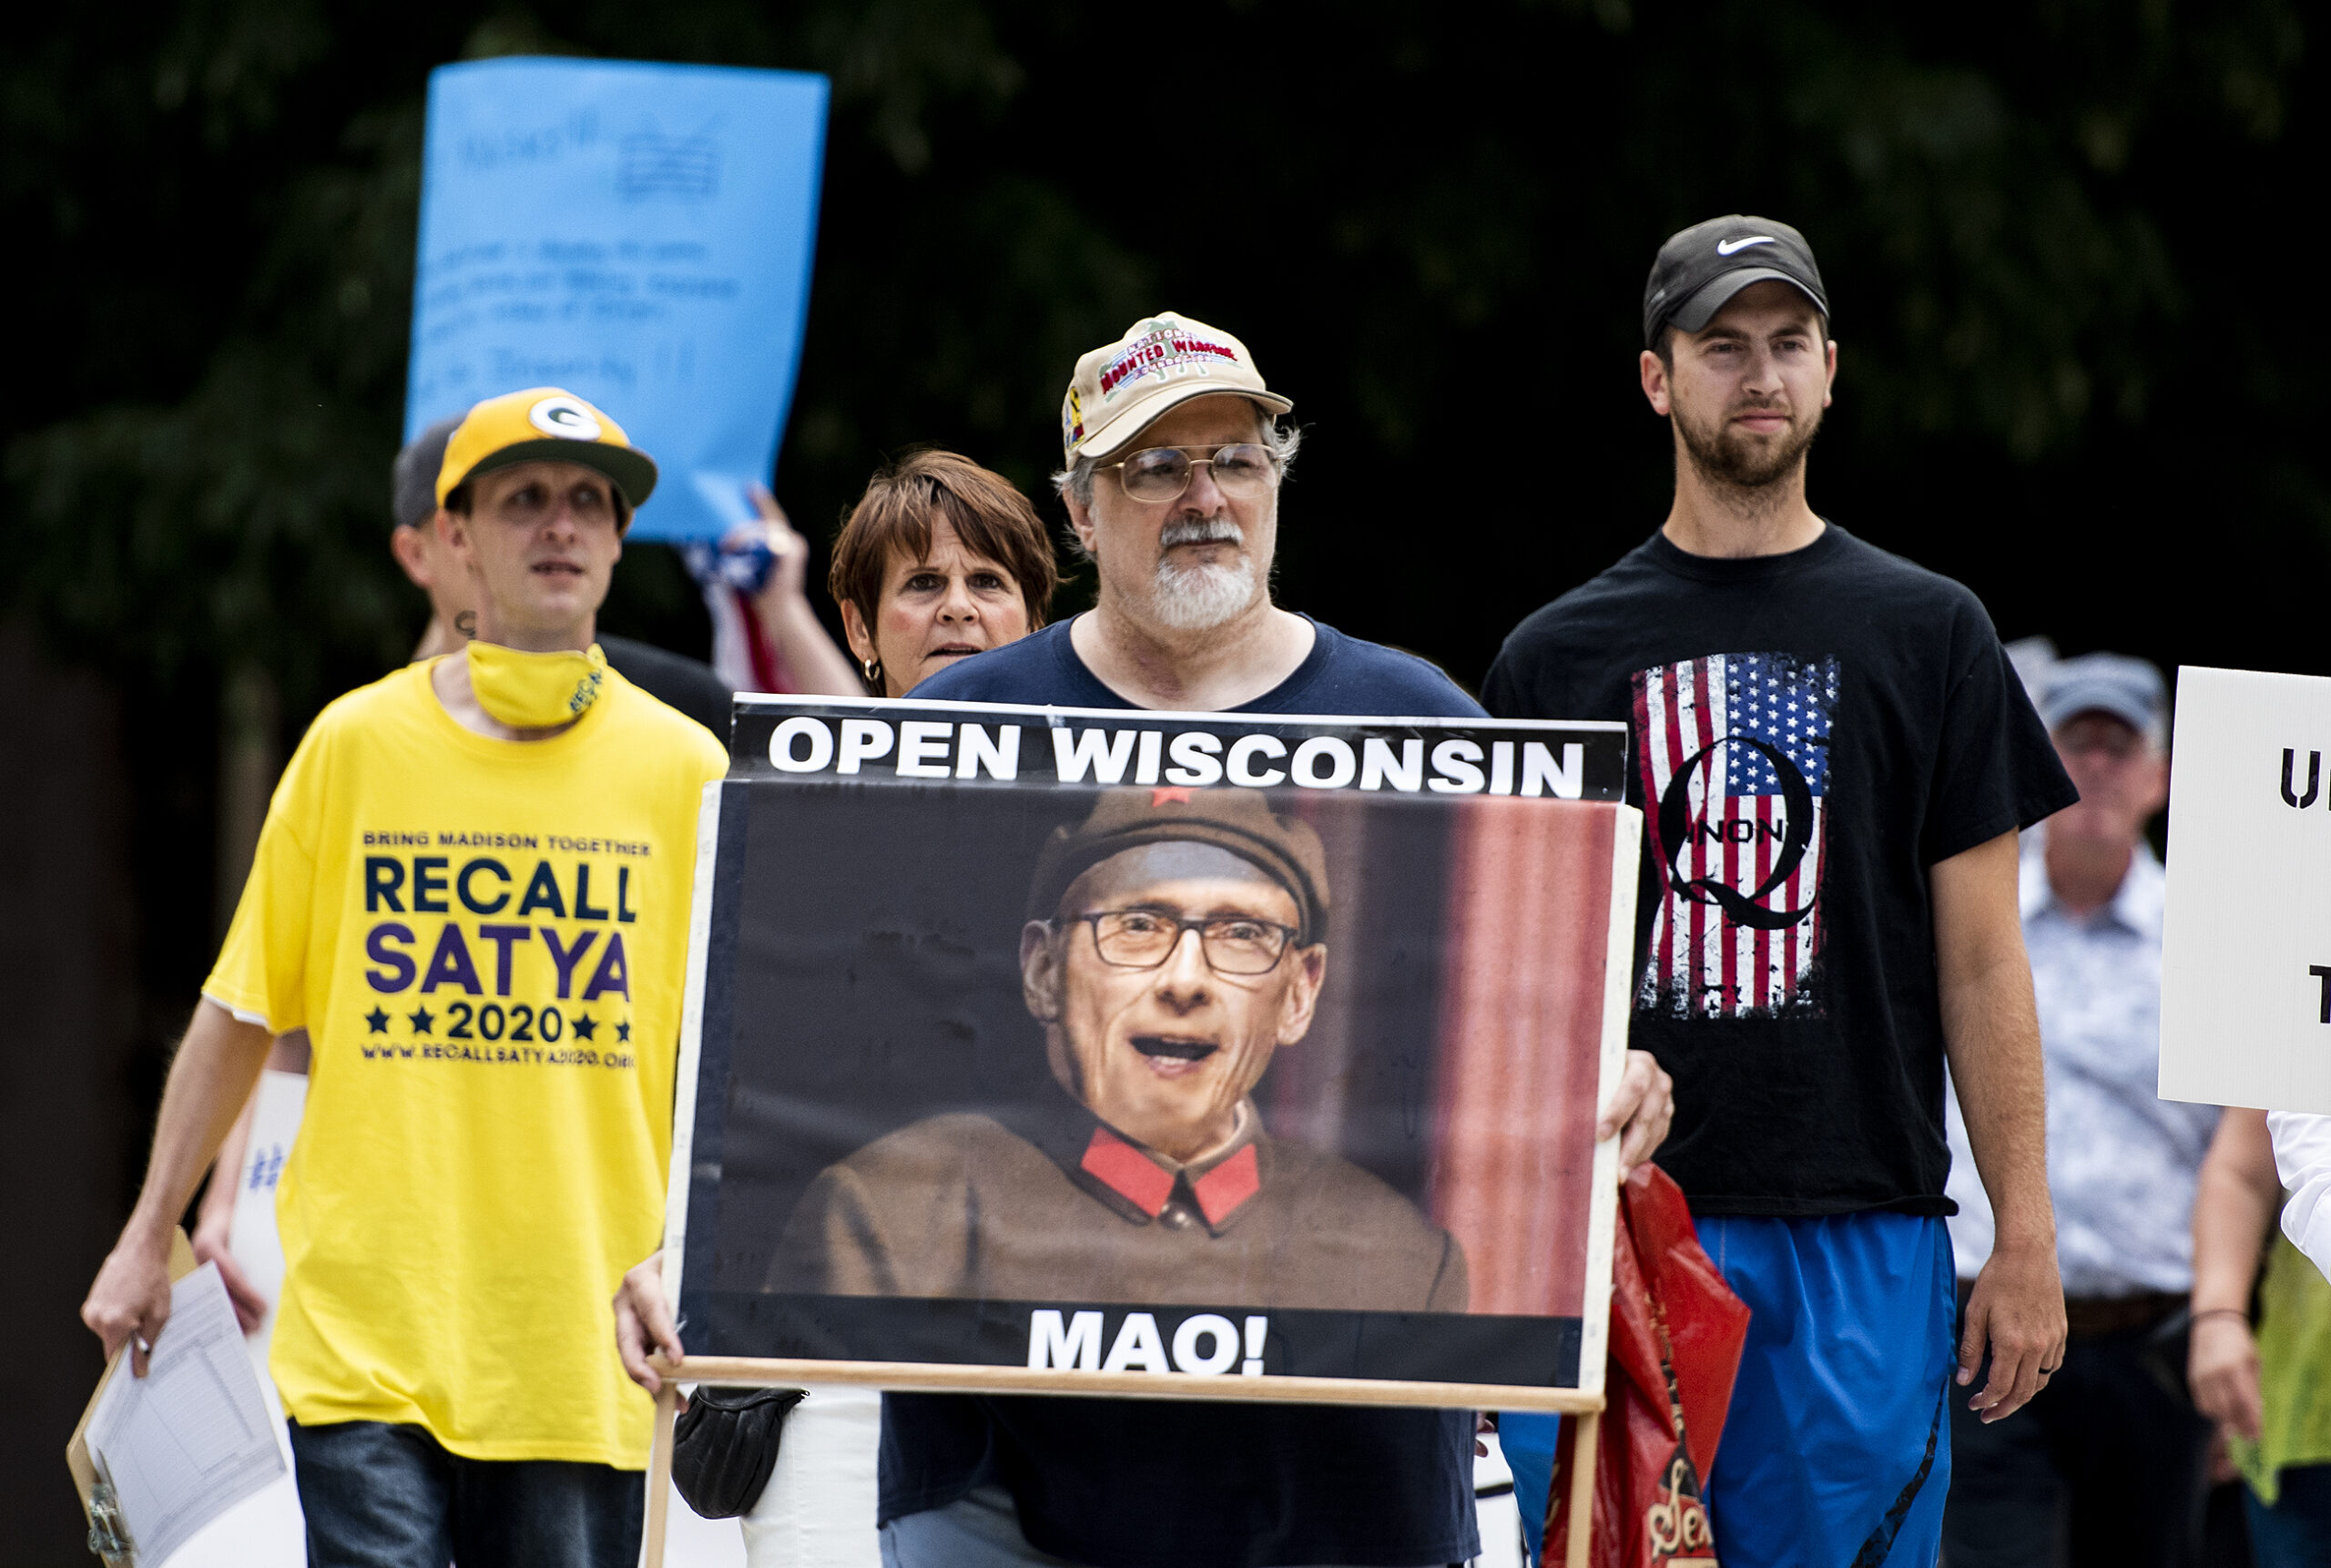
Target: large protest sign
(2246,984)
(638,234)
(1224,1056)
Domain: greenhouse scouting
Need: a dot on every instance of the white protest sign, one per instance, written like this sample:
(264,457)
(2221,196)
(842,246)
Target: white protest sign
(2246,989)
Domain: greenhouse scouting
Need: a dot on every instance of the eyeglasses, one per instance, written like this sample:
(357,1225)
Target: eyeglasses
(1242,470)
(1144,939)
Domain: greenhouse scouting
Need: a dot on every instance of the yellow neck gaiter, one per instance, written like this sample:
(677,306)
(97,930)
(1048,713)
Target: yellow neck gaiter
(534,690)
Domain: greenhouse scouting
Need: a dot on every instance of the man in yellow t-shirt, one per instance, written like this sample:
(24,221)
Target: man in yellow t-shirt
(472,892)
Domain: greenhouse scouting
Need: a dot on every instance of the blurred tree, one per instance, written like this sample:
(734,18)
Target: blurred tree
(2042,227)
(1430,222)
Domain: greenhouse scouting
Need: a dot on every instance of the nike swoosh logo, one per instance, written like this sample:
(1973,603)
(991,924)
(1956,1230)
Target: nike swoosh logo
(1726,247)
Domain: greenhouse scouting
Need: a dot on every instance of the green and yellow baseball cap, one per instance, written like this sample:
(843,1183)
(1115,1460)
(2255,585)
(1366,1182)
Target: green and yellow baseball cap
(544,424)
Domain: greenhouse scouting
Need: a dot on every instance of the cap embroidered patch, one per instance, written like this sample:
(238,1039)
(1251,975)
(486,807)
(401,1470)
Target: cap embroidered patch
(565,416)
(1164,360)
(1157,351)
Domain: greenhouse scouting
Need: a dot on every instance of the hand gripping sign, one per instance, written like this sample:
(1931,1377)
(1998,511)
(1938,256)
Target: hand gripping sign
(2246,984)
(1123,1052)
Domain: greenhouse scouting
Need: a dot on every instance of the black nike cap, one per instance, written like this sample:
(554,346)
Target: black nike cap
(1700,270)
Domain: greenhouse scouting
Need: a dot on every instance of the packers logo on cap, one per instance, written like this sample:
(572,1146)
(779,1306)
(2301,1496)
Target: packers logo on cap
(568,416)
(544,424)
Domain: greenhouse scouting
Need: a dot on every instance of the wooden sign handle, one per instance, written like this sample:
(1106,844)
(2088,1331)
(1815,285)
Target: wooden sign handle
(1584,1450)
(659,1473)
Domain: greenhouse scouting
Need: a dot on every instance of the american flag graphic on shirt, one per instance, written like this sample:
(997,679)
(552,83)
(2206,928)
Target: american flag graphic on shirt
(1736,766)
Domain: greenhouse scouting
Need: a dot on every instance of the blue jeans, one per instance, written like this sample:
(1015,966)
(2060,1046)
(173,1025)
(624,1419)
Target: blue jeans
(378,1495)
(2296,1531)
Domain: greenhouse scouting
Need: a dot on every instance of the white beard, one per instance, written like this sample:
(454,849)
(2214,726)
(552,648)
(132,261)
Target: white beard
(1193,598)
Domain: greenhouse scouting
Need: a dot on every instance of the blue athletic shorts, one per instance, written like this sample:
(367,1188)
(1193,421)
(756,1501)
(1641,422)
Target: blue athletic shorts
(1836,1450)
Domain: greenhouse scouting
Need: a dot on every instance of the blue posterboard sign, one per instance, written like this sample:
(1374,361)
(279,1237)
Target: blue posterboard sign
(638,234)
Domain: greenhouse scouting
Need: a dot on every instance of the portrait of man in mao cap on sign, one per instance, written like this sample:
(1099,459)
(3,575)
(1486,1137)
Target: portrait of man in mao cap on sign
(1175,939)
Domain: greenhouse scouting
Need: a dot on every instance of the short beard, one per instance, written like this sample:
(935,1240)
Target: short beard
(1196,599)
(1726,460)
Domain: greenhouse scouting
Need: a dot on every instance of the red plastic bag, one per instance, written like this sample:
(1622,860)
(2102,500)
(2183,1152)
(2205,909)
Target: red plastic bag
(1676,1330)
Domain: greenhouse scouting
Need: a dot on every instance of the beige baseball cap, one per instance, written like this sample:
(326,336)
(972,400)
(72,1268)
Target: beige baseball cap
(1163,360)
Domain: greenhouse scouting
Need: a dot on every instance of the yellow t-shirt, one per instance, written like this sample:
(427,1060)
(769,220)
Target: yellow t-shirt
(487,941)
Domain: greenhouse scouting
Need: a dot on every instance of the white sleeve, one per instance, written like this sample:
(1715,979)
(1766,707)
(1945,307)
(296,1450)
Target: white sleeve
(817,1509)
(2303,1159)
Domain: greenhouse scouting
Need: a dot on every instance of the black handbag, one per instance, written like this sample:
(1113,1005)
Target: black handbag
(725,1444)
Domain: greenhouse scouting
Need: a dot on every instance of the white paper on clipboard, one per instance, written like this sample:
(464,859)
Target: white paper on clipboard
(192,1438)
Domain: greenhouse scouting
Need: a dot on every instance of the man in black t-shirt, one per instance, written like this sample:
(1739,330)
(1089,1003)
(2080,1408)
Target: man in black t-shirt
(1833,757)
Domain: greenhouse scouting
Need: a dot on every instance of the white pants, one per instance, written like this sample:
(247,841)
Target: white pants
(817,1510)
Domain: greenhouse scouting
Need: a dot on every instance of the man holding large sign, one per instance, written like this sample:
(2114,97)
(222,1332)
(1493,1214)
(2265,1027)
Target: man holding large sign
(1174,460)
(1834,756)
(1174,464)
(471,891)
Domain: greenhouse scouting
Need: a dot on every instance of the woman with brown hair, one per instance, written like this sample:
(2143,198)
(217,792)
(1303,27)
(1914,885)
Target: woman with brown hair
(939,559)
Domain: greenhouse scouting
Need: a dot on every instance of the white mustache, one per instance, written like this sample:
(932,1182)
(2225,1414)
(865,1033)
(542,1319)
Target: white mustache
(1200,531)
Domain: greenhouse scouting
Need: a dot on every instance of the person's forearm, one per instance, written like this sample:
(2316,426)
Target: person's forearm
(2235,1200)
(819,668)
(1991,1036)
(227,1169)
(210,1083)
(1995,1063)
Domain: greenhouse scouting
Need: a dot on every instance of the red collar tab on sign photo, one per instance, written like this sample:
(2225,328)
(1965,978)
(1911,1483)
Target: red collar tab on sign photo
(1140,1181)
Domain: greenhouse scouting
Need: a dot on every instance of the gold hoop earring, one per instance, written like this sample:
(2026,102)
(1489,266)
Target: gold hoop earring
(873,668)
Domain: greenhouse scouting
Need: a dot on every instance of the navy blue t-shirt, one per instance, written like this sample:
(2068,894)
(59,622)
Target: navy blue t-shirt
(1340,675)
(1168,1484)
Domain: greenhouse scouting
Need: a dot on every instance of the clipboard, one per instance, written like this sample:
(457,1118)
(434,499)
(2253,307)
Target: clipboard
(107,1538)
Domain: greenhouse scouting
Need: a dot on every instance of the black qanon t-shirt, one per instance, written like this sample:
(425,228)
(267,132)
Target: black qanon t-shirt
(1811,732)
(1168,1484)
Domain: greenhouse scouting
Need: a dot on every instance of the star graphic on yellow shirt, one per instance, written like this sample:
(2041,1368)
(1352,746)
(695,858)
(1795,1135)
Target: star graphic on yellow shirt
(424,1020)
(376,1021)
(623,1031)
(586,1026)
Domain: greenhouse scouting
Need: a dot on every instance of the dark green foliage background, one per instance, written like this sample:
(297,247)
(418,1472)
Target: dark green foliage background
(2070,246)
